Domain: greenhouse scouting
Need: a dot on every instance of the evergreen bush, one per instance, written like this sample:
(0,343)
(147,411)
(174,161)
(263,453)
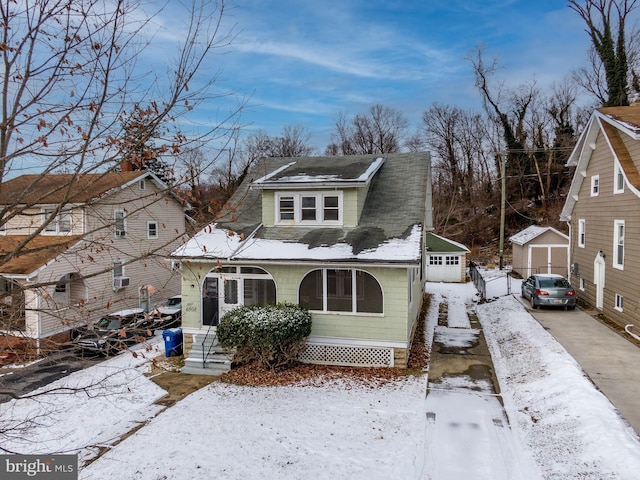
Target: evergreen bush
(271,335)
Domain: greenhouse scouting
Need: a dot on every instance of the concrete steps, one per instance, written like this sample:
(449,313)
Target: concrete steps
(216,362)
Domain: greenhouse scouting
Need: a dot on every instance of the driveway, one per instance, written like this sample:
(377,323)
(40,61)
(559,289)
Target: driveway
(18,381)
(611,361)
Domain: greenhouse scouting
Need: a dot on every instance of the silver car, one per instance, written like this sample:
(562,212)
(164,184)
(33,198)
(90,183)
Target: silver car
(548,289)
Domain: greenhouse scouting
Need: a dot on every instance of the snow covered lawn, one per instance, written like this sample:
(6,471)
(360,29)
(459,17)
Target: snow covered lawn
(340,429)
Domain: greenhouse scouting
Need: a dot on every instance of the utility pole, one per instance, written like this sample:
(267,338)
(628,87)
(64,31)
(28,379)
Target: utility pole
(503,200)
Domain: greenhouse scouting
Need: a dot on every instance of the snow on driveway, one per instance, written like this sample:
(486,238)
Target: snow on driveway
(346,429)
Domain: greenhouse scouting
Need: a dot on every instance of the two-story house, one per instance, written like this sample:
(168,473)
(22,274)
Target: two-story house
(341,236)
(74,246)
(603,213)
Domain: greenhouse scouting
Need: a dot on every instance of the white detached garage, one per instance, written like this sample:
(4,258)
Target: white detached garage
(539,249)
(446,260)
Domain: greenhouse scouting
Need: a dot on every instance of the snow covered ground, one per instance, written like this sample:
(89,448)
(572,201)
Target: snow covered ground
(339,429)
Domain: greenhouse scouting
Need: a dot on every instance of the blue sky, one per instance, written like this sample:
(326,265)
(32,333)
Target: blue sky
(303,62)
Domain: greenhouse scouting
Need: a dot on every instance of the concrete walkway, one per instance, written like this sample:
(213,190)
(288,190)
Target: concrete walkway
(468,433)
(611,361)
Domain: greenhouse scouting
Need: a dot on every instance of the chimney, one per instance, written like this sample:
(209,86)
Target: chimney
(126,166)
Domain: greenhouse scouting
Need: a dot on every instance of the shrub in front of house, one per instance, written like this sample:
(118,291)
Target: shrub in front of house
(271,335)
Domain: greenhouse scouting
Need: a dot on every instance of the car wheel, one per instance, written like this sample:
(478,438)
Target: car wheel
(534,305)
(572,307)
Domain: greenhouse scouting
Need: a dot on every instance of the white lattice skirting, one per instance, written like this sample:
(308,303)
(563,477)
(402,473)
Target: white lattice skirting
(353,356)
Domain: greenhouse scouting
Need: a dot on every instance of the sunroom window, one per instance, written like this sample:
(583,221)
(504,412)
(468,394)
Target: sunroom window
(341,290)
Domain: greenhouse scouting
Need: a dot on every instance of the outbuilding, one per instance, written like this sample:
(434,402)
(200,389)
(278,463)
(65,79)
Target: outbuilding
(538,249)
(446,260)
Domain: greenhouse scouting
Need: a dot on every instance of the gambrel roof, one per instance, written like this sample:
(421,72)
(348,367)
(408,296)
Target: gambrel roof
(396,211)
(616,124)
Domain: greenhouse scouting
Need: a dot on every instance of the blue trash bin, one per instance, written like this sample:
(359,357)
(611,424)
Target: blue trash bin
(172,342)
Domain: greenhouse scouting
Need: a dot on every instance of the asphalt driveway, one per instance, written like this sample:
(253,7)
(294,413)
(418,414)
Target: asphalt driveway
(610,360)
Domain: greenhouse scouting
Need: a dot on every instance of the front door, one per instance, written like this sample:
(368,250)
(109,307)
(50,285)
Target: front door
(598,280)
(210,301)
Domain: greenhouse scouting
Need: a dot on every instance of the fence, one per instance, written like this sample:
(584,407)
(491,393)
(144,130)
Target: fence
(478,280)
(481,283)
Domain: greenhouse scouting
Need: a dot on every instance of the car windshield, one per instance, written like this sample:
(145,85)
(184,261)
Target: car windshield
(173,302)
(553,283)
(108,323)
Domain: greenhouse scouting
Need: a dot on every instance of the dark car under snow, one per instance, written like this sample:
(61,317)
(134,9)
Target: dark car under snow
(115,332)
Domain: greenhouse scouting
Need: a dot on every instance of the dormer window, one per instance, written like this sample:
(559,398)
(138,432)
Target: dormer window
(321,208)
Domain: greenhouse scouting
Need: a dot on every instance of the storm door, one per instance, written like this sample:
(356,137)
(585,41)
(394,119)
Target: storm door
(210,302)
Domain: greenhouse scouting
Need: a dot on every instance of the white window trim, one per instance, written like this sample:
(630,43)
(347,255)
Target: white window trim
(595,185)
(54,226)
(354,297)
(149,236)
(115,224)
(582,232)
(619,305)
(617,262)
(618,171)
(297,208)
(122,271)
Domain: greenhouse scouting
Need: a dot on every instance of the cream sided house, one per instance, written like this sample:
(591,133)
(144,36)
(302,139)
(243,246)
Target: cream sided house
(74,246)
(603,212)
(341,236)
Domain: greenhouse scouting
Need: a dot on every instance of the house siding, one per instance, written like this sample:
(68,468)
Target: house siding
(395,325)
(352,203)
(599,213)
(93,258)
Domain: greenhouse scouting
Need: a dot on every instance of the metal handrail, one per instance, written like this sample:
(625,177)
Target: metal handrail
(205,355)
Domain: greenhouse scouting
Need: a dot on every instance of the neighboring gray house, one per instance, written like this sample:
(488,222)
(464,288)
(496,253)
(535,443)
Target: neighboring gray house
(88,244)
(446,260)
(341,236)
(603,212)
(539,249)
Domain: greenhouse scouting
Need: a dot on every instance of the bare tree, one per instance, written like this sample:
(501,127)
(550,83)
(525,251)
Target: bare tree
(606,23)
(380,130)
(75,97)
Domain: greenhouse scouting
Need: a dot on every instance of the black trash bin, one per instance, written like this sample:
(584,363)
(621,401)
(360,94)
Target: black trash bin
(172,342)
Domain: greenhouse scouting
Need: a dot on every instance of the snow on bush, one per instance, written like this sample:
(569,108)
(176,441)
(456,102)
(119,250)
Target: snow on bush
(271,335)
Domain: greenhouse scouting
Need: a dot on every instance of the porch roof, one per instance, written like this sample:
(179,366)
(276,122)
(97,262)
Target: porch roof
(37,252)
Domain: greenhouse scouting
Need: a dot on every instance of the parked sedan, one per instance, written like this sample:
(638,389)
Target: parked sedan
(168,314)
(115,332)
(549,290)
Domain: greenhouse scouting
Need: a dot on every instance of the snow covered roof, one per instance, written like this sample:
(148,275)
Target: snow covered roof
(525,236)
(389,229)
(353,170)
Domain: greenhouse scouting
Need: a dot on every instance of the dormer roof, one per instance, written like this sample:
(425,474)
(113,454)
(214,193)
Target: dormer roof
(322,172)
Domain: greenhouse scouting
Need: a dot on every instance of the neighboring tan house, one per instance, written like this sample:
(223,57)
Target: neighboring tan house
(340,236)
(539,249)
(446,260)
(94,242)
(603,212)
